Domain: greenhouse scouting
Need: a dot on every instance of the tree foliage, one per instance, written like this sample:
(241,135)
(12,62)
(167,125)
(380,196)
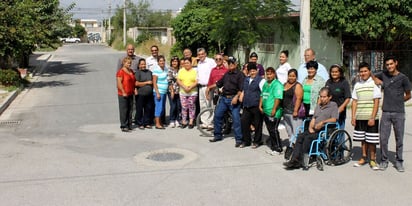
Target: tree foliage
(26,24)
(226,23)
(370,20)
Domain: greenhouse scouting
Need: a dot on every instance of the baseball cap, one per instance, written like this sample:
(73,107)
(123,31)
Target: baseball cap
(232,60)
(253,54)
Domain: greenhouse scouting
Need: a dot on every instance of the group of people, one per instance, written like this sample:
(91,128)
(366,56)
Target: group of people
(265,95)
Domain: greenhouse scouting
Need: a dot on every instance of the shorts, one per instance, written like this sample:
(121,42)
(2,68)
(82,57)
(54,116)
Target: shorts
(363,132)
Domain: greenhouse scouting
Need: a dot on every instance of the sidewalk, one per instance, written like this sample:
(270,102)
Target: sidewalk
(37,62)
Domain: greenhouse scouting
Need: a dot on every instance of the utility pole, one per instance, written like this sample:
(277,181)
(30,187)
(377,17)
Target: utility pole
(304,27)
(124,24)
(110,18)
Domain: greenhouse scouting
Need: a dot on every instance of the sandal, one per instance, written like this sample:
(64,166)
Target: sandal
(361,162)
(148,127)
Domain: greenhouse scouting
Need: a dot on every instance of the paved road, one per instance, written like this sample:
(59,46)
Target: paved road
(68,150)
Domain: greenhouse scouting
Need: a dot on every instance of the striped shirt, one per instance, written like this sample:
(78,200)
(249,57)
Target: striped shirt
(365,92)
(162,83)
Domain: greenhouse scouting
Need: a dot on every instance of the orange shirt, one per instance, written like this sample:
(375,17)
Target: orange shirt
(128,82)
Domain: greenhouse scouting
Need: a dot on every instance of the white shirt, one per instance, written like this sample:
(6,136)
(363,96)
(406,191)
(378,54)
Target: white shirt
(203,70)
(151,62)
(282,72)
(303,72)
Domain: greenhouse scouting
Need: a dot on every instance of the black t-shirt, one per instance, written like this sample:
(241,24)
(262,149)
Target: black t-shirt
(143,76)
(394,90)
(340,92)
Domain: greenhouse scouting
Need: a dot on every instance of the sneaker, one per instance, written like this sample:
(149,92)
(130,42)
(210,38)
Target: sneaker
(361,162)
(203,126)
(399,167)
(373,165)
(383,165)
(177,124)
(172,125)
(272,152)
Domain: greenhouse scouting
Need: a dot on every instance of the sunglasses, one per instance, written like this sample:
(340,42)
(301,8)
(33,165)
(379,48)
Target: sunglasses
(218,59)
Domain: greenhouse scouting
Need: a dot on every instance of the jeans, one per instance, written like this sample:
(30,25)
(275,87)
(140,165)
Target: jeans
(175,107)
(223,105)
(398,121)
(160,105)
(125,111)
(291,125)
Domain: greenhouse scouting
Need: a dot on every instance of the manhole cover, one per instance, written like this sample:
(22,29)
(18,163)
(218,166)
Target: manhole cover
(165,156)
(169,157)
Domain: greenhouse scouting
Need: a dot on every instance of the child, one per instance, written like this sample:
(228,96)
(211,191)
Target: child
(365,117)
(270,106)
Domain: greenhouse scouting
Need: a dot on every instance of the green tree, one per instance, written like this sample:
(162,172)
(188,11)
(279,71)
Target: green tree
(27,24)
(227,23)
(368,20)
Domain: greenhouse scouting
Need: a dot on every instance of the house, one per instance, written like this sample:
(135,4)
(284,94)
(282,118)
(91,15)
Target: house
(328,49)
(163,34)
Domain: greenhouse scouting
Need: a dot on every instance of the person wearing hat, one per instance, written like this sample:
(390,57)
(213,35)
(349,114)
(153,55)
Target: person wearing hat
(253,59)
(252,87)
(232,84)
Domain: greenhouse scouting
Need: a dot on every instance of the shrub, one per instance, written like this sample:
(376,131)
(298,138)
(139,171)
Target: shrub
(9,77)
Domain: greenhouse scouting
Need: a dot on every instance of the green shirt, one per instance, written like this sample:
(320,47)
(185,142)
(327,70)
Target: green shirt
(271,92)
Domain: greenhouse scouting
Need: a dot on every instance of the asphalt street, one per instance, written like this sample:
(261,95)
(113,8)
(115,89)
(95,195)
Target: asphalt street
(63,146)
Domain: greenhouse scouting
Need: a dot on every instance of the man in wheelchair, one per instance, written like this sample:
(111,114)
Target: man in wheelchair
(325,112)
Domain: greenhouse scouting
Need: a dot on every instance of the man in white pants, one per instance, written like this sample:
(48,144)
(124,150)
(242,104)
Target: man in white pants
(204,67)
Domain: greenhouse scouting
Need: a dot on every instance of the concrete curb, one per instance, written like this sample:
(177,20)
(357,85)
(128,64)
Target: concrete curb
(40,67)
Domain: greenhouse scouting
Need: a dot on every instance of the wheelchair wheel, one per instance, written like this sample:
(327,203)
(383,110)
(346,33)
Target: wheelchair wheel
(319,163)
(208,112)
(339,148)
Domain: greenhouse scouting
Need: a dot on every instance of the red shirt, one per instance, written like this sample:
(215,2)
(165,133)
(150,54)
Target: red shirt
(128,82)
(216,74)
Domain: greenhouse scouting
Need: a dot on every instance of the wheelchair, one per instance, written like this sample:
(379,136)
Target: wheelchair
(333,145)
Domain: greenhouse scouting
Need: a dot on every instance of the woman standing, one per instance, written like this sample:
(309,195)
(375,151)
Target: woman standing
(160,86)
(340,91)
(144,102)
(284,67)
(292,99)
(187,80)
(125,89)
(311,87)
(174,99)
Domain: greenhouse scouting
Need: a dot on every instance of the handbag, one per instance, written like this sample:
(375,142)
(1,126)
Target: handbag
(301,111)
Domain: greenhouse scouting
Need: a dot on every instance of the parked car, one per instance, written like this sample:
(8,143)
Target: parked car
(70,40)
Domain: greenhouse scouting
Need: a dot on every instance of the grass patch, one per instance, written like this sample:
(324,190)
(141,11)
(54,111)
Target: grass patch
(143,48)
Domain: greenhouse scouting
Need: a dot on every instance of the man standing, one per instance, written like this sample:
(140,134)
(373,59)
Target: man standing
(310,55)
(215,75)
(151,61)
(253,58)
(129,53)
(187,53)
(397,91)
(232,83)
(204,67)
